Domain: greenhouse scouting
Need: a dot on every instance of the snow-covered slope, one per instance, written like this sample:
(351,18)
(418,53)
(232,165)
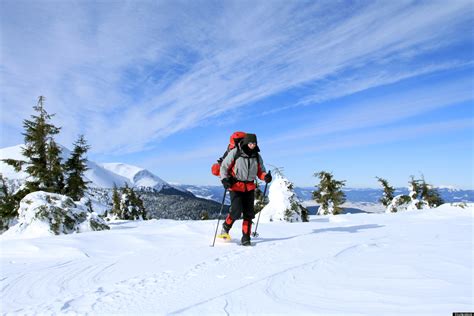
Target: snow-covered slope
(413,263)
(13,152)
(137,176)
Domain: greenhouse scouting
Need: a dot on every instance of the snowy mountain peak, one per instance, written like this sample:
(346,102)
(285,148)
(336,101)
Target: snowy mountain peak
(137,176)
(105,175)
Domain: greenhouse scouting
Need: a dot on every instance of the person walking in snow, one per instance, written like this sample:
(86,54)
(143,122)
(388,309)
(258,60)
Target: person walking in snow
(238,172)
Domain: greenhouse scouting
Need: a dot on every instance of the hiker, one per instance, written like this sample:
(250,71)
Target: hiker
(238,172)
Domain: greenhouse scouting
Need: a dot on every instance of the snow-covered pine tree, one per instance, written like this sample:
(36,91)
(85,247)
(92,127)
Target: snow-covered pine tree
(429,194)
(283,203)
(328,194)
(10,197)
(421,196)
(415,193)
(388,191)
(127,205)
(136,208)
(75,167)
(8,205)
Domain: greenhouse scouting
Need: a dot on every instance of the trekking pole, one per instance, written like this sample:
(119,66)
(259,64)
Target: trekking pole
(255,234)
(219,218)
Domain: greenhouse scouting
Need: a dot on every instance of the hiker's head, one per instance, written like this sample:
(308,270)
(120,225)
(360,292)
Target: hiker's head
(250,140)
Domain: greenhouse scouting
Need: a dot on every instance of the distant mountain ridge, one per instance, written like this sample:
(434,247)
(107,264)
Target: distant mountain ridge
(108,175)
(369,195)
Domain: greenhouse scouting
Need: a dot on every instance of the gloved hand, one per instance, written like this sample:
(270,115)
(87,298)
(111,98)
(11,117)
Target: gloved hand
(227,182)
(268,177)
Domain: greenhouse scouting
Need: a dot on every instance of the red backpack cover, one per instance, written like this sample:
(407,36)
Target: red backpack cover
(235,138)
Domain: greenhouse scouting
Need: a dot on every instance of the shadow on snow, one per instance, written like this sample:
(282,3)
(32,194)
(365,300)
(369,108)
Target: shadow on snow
(348,229)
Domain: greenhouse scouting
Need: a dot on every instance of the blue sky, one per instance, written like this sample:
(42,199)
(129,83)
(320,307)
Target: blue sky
(358,88)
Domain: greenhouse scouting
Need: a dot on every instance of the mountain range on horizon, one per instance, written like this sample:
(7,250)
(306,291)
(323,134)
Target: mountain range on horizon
(108,175)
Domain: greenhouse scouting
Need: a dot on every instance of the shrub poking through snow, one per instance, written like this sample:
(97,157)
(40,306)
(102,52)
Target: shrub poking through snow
(42,214)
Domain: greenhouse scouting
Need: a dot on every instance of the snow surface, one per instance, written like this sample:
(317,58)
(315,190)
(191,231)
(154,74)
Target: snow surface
(412,263)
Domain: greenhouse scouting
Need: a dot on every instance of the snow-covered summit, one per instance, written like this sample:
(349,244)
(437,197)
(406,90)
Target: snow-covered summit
(138,177)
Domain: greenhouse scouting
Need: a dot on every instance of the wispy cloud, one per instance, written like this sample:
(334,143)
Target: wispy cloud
(381,135)
(131,73)
(382,110)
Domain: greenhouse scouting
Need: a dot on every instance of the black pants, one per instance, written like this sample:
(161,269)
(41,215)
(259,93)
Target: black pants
(242,203)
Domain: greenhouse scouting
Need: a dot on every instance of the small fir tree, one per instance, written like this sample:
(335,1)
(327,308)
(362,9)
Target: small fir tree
(387,192)
(8,205)
(115,211)
(75,167)
(429,194)
(415,191)
(328,194)
(128,205)
(421,196)
(9,202)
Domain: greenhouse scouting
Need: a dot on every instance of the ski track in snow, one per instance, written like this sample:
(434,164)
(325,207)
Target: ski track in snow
(305,268)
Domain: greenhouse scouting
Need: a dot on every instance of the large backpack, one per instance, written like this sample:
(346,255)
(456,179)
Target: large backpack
(235,139)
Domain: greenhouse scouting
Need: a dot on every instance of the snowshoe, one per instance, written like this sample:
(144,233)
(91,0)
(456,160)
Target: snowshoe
(224,236)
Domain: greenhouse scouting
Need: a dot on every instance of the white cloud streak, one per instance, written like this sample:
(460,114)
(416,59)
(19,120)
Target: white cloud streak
(382,135)
(383,110)
(131,73)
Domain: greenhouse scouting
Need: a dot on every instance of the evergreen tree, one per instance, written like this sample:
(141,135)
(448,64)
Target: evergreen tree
(9,202)
(387,192)
(75,167)
(8,205)
(329,194)
(55,180)
(421,196)
(415,191)
(304,214)
(128,205)
(135,207)
(42,153)
(429,194)
(115,202)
